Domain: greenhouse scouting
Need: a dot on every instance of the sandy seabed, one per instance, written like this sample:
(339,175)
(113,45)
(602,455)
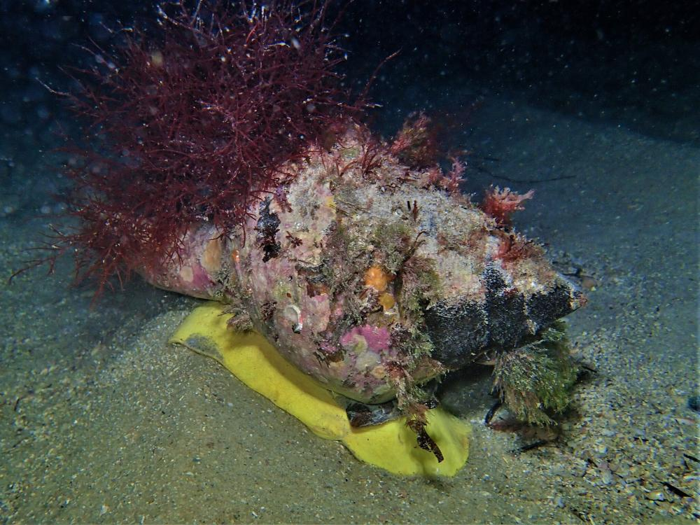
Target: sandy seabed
(103,422)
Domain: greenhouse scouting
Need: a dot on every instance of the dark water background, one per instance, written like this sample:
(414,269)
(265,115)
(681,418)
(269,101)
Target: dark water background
(634,64)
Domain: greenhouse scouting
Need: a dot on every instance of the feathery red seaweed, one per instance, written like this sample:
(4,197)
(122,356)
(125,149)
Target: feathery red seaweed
(196,124)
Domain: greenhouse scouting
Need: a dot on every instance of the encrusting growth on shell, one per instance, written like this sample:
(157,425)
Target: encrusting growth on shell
(372,301)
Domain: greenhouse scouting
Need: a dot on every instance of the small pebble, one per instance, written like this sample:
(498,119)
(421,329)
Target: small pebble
(656,495)
(606,477)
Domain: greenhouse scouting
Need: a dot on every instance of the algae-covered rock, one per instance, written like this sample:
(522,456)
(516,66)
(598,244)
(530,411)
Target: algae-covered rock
(370,277)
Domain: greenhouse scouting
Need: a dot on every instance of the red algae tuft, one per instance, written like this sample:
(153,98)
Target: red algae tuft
(501,203)
(196,124)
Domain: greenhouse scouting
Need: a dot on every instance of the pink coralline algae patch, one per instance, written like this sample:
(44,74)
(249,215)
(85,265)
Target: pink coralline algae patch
(318,314)
(373,338)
